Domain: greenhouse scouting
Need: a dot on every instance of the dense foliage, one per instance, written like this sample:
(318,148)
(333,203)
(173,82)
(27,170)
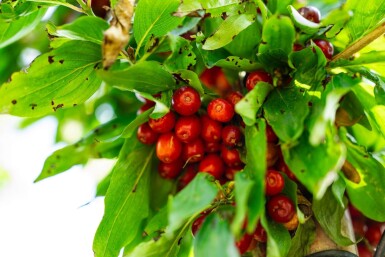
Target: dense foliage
(307,120)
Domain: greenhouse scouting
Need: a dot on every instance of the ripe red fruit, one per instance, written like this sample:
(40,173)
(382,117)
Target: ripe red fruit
(215,78)
(146,135)
(188,175)
(163,124)
(168,148)
(260,234)
(231,136)
(188,128)
(282,166)
(220,110)
(234,97)
(244,243)
(213,165)
(270,135)
(274,183)
(211,129)
(170,170)
(100,7)
(373,234)
(363,251)
(230,157)
(145,107)
(197,224)
(326,47)
(257,76)
(193,151)
(212,147)
(231,171)
(280,208)
(186,101)
(297,47)
(272,154)
(310,13)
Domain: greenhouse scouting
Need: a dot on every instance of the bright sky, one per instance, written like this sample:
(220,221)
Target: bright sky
(44,219)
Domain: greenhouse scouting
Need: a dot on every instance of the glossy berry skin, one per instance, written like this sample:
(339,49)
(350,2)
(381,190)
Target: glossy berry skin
(363,251)
(257,76)
(170,170)
(189,174)
(215,78)
(310,13)
(188,128)
(244,243)
(260,234)
(212,147)
(373,234)
(233,97)
(326,47)
(168,148)
(274,183)
(213,165)
(186,101)
(146,135)
(211,129)
(220,110)
(163,124)
(99,7)
(270,135)
(232,136)
(280,208)
(193,151)
(197,224)
(230,157)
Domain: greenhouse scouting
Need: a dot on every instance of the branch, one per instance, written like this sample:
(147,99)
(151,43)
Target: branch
(361,43)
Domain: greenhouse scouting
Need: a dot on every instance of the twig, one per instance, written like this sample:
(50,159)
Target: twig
(361,43)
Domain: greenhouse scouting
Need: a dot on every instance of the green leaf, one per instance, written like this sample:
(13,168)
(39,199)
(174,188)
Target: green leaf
(315,175)
(360,60)
(229,29)
(302,240)
(252,101)
(154,19)
(147,77)
(214,238)
(366,17)
(279,6)
(329,213)
(12,31)
(336,18)
(302,23)
(85,28)
(191,79)
(193,199)
(62,78)
(97,144)
(368,195)
(131,128)
(290,190)
(278,238)
(287,106)
(126,202)
(182,56)
(103,185)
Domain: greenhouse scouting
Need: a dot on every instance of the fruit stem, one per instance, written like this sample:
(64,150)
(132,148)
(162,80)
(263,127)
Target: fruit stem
(361,43)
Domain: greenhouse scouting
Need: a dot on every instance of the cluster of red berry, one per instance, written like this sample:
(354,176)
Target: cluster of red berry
(369,230)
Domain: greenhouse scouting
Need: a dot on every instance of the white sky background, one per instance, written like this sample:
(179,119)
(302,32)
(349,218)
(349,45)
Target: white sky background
(44,219)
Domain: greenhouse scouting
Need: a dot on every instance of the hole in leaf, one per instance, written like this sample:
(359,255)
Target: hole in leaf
(50,59)
(14,102)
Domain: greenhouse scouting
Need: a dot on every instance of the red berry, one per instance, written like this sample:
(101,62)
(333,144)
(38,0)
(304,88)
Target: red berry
(260,234)
(215,78)
(354,212)
(146,135)
(231,136)
(189,174)
(213,165)
(100,7)
(310,13)
(220,110)
(373,234)
(212,147)
(359,226)
(211,129)
(170,170)
(168,148)
(230,157)
(326,47)
(234,97)
(297,47)
(257,76)
(363,251)
(272,154)
(244,243)
(280,208)
(197,224)
(270,135)
(163,124)
(231,171)
(186,101)
(145,107)
(193,151)
(274,183)
(188,128)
